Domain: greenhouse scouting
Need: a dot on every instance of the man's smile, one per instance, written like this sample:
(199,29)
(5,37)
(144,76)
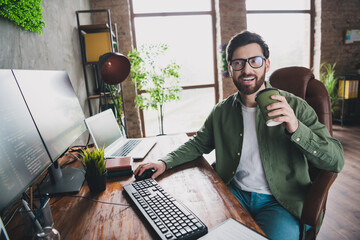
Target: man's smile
(247,79)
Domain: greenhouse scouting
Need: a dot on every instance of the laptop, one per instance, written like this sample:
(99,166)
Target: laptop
(106,133)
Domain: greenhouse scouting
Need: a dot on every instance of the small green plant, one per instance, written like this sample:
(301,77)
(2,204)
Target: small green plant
(157,83)
(93,161)
(25,13)
(329,79)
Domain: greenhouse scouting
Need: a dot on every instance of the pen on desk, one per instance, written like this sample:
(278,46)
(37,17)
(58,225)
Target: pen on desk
(43,201)
(31,198)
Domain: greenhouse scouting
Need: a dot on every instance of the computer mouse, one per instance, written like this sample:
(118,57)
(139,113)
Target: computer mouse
(146,174)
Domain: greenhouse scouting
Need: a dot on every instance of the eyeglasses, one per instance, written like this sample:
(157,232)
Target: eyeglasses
(254,62)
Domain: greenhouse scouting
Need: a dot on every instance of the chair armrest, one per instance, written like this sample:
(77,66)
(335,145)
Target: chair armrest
(315,201)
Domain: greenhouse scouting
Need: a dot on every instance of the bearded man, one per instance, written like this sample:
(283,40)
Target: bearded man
(266,168)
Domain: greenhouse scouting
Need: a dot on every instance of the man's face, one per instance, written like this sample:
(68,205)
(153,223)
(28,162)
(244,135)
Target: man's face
(249,80)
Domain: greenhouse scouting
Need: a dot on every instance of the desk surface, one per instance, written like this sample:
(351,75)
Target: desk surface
(195,184)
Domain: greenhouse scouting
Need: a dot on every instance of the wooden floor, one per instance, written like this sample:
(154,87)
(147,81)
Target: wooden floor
(342,218)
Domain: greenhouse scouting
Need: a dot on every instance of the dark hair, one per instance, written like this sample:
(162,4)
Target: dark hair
(242,39)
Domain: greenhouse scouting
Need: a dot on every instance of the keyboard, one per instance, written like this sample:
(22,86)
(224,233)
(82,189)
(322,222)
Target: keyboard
(126,148)
(168,217)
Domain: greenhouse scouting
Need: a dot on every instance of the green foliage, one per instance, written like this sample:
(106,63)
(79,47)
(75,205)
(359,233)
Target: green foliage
(117,101)
(328,78)
(93,161)
(224,64)
(25,13)
(160,83)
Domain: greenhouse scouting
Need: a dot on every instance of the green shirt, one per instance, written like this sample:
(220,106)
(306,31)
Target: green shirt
(284,157)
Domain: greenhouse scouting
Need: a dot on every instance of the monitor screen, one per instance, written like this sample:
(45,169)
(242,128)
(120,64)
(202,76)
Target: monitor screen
(23,157)
(54,106)
(59,118)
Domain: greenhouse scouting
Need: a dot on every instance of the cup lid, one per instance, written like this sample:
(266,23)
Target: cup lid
(266,89)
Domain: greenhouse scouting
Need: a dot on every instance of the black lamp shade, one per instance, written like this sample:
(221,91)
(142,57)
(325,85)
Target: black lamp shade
(114,67)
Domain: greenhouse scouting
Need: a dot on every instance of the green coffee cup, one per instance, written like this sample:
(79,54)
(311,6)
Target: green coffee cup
(263,98)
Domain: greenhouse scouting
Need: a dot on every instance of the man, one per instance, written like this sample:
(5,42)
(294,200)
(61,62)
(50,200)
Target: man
(266,168)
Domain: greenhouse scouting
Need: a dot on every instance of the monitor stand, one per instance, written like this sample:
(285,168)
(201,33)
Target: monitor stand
(62,181)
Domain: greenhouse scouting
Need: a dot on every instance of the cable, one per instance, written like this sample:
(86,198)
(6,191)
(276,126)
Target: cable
(12,216)
(77,148)
(75,159)
(94,200)
(71,152)
(87,198)
(87,143)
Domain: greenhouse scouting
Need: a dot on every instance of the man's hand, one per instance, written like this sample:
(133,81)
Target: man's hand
(159,167)
(288,118)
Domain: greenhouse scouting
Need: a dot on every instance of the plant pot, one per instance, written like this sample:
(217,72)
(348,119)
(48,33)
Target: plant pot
(96,183)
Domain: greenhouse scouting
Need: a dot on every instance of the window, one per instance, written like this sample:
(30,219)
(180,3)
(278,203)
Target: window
(187,27)
(170,6)
(286,27)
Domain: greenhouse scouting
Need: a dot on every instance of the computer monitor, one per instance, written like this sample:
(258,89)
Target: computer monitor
(59,118)
(23,157)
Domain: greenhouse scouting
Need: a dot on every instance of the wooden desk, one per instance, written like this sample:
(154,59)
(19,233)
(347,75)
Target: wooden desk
(195,184)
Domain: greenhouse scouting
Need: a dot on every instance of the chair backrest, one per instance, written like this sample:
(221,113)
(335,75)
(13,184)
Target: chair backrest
(301,82)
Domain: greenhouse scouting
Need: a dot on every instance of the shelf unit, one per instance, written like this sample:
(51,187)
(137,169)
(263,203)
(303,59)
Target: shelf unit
(348,98)
(96,40)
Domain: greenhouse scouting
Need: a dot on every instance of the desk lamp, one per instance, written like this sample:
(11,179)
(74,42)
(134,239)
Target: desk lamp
(114,68)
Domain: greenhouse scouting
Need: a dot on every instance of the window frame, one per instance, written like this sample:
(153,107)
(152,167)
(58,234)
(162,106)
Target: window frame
(311,12)
(212,14)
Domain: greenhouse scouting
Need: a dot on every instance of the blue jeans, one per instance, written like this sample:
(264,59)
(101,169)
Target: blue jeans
(273,219)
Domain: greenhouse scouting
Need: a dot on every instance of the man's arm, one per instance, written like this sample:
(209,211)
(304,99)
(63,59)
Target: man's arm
(309,135)
(201,143)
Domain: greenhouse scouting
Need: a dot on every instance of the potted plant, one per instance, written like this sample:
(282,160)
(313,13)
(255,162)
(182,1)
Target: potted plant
(157,83)
(94,165)
(328,78)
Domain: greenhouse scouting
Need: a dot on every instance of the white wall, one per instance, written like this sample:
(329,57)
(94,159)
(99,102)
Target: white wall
(58,48)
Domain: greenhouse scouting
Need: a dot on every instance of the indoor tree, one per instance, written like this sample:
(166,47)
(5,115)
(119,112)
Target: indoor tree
(157,83)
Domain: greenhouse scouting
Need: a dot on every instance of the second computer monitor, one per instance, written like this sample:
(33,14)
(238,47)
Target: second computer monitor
(54,106)
(59,118)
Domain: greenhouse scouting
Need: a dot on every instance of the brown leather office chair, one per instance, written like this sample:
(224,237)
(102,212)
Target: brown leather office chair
(301,82)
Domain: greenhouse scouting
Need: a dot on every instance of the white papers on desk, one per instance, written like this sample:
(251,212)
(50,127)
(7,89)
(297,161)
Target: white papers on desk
(231,229)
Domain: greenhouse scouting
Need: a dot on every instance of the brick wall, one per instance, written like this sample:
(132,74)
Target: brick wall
(120,14)
(336,17)
(231,19)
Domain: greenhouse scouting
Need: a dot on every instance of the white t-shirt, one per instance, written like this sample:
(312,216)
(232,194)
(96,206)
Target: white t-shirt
(250,175)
